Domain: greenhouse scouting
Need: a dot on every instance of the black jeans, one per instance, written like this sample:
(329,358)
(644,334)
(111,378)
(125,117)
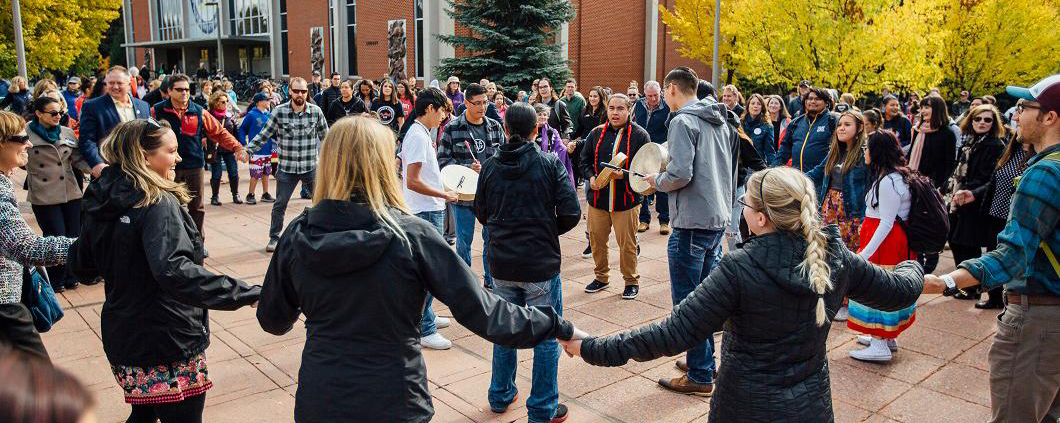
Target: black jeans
(285,183)
(187,411)
(59,220)
(17,332)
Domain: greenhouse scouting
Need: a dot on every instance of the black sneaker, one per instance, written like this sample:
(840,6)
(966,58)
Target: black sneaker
(267,198)
(588,253)
(638,250)
(214,201)
(630,292)
(561,414)
(595,286)
(251,200)
(236,199)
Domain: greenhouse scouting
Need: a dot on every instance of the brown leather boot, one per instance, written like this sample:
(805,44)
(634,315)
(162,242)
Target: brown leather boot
(685,386)
(682,365)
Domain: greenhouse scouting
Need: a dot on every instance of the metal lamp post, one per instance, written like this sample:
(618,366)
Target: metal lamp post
(20,48)
(717,36)
(220,50)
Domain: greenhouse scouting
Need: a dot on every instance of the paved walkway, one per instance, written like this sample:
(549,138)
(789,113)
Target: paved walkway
(939,375)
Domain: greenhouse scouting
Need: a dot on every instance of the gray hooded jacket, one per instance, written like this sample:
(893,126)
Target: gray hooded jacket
(701,177)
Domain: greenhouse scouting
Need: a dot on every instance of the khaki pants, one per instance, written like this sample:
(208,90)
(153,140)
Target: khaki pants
(625,225)
(1025,365)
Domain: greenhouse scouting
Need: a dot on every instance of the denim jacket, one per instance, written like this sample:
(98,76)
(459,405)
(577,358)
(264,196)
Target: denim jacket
(855,182)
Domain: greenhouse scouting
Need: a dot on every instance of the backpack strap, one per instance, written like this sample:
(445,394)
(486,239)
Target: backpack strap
(1054,156)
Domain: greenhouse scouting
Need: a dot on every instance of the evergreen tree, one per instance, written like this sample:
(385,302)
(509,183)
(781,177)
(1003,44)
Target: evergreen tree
(511,42)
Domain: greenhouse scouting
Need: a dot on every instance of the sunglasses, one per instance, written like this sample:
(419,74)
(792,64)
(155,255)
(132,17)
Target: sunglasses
(299,91)
(55,113)
(152,126)
(181,90)
(983,119)
(20,139)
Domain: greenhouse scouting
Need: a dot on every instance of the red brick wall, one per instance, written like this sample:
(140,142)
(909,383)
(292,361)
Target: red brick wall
(669,57)
(372,20)
(302,15)
(606,43)
(141,20)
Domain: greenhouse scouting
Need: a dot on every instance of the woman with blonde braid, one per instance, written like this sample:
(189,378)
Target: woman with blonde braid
(776,294)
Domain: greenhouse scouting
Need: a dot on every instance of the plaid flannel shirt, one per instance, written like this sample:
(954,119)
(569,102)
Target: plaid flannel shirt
(1018,262)
(456,138)
(296,136)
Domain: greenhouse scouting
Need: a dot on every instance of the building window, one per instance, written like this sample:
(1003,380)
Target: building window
(418,16)
(285,52)
(351,35)
(170,20)
(249,17)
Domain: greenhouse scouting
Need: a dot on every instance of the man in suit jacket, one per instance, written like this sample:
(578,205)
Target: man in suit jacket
(101,114)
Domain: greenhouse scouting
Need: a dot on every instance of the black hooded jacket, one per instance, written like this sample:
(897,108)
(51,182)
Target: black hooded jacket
(362,289)
(526,200)
(773,359)
(156,288)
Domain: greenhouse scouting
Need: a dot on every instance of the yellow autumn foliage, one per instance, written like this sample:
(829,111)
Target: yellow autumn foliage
(55,32)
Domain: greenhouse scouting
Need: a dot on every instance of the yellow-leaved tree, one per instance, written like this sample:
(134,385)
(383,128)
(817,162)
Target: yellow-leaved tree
(993,43)
(55,32)
(850,45)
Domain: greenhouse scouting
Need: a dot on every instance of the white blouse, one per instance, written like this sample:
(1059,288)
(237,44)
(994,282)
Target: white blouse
(894,201)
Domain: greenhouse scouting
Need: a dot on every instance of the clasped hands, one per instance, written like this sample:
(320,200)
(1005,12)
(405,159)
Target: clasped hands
(573,347)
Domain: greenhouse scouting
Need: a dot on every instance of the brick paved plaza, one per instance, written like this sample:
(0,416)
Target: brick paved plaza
(938,375)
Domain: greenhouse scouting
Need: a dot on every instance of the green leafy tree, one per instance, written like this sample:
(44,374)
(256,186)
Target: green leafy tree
(56,33)
(510,42)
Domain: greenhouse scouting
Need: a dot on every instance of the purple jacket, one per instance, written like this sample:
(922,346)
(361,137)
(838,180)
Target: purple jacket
(548,140)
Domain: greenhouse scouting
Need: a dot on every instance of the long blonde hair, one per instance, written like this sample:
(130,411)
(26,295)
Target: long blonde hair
(854,157)
(357,159)
(127,146)
(788,198)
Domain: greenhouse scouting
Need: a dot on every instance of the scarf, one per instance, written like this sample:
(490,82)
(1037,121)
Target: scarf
(918,145)
(969,142)
(50,135)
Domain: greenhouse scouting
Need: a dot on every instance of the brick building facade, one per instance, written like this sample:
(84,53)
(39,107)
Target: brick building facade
(602,49)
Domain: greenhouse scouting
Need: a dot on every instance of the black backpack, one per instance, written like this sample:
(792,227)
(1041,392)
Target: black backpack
(928,224)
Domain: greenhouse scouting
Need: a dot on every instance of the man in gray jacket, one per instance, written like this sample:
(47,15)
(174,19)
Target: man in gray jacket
(700,181)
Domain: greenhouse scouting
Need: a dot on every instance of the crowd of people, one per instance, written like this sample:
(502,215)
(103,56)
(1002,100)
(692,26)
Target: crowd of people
(783,215)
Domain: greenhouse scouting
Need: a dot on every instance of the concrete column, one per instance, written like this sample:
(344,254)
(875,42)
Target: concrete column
(435,22)
(651,39)
(275,44)
(563,39)
(130,52)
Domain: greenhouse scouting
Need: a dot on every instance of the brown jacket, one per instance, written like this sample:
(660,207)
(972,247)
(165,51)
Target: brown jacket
(51,169)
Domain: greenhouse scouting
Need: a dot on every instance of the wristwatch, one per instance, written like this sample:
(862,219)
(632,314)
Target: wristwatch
(951,285)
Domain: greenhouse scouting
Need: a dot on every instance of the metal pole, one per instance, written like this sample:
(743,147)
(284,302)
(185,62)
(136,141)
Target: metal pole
(716,66)
(220,50)
(20,48)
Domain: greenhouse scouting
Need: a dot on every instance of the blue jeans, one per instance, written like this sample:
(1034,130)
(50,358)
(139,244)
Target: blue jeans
(544,391)
(227,160)
(732,233)
(693,254)
(465,235)
(662,206)
(427,326)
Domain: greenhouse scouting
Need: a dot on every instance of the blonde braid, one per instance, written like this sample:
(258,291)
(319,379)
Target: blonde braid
(814,264)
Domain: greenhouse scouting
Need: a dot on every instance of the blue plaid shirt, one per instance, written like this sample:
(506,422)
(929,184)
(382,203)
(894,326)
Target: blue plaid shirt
(1018,262)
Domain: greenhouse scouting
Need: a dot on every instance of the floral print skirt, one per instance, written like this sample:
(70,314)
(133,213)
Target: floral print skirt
(832,212)
(163,384)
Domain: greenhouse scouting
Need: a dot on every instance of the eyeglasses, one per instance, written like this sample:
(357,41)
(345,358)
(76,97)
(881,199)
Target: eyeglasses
(294,91)
(181,90)
(986,119)
(743,202)
(55,113)
(477,103)
(1021,107)
(19,139)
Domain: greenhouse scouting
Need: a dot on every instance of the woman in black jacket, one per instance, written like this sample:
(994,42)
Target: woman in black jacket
(775,297)
(971,228)
(138,238)
(933,152)
(359,265)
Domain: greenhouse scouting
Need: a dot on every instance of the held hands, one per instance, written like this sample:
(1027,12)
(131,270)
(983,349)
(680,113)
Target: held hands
(933,284)
(963,197)
(574,346)
(242,156)
(97,169)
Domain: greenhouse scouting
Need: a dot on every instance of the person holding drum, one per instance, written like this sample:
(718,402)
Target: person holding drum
(468,140)
(701,180)
(612,202)
(652,113)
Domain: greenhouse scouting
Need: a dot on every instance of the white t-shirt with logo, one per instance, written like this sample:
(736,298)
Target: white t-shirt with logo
(418,147)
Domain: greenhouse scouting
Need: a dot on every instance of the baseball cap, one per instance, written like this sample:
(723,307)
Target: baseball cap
(452,79)
(804,83)
(1046,92)
(259,97)
(73,79)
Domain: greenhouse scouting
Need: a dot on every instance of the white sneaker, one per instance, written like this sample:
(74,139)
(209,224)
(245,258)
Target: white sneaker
(435,342)
(892,344)
(841,315)
(877,351)
(441,322)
